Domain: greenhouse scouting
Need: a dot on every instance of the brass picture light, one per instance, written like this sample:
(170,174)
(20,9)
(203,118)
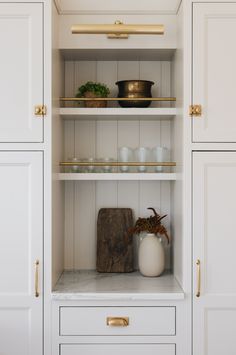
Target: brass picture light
(118,30)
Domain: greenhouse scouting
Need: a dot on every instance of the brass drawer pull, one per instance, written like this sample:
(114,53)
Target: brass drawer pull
(117,321)
(37,278)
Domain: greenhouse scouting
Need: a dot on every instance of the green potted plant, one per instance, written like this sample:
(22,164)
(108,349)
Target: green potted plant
(92,89)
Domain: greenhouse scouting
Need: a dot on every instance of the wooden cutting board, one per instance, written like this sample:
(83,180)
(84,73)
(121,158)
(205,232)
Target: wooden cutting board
(114,246)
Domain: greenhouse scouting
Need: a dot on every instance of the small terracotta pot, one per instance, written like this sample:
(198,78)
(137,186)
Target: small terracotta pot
(94,103)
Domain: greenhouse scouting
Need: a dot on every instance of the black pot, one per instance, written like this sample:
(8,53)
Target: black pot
(134,89)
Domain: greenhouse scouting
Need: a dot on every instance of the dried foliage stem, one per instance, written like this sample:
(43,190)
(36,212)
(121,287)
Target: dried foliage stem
(151,224)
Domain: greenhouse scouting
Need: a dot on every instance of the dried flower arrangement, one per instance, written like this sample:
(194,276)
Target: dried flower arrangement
(151,224)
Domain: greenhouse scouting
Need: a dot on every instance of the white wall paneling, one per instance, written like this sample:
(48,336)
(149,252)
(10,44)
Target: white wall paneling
(101,139)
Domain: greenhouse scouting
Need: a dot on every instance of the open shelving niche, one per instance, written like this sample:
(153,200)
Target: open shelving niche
(89,132)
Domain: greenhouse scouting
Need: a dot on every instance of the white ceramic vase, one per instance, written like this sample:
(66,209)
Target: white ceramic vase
(151,256)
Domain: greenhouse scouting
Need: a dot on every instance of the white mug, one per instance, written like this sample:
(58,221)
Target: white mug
(159,155)
(125,155)
(142,156)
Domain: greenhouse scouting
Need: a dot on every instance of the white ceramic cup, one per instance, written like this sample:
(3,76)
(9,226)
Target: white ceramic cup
(142,155)
(125,155)
(159,155)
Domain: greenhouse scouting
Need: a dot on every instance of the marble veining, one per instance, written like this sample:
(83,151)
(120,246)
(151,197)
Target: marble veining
(75,285)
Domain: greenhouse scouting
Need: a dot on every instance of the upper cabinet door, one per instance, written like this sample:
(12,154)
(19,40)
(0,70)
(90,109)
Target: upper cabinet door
(21,71)
(214,72)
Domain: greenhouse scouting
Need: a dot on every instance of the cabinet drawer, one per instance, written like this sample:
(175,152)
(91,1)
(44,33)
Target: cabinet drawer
(117,349)
(117,320)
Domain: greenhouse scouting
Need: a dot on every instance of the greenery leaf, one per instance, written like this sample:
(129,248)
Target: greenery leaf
(100,90)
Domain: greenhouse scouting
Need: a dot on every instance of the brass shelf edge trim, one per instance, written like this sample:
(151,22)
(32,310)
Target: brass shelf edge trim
(67,163)
(172,99)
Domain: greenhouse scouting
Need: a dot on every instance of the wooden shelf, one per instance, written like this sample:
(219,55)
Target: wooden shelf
(115,176)
(81,113)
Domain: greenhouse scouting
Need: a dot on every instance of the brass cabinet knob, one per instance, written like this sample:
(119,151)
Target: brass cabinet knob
(117,321)
(195,110)
(40,110)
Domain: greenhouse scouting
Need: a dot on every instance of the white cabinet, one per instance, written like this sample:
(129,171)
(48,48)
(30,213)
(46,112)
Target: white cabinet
(21,71)
(214,244)
(21,245)
(117,349)
(214,71)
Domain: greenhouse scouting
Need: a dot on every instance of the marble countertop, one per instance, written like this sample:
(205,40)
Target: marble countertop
(90,285)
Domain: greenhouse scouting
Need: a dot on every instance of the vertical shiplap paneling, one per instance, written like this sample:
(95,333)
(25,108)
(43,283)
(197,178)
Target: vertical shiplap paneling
(128,196)
(69,225)
(84,71)
(102,139)
(106,195)
(150,70)
(128,70)
(106,139)
(69,80)
(129,136)
(107,74)
(106,192)
(165,82)
(69,151)
(84,217)
(166,142)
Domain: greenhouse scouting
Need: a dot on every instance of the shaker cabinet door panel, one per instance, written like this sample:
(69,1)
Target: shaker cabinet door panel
(21,71)
(214,245)
(214,71)
(21,245)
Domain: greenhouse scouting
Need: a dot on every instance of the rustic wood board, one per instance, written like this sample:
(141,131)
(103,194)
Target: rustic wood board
(114,246)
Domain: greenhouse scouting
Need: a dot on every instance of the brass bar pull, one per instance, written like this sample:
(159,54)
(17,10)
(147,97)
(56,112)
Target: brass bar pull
(117,321)
(198,263)
(36,278)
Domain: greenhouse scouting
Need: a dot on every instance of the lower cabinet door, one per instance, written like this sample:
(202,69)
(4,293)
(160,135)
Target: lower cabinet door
(214,245)
(21,245)
(117,349)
